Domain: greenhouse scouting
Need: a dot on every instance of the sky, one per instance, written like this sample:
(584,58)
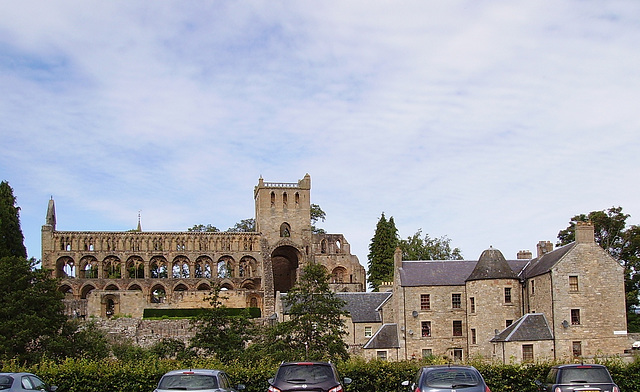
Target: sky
(490,123)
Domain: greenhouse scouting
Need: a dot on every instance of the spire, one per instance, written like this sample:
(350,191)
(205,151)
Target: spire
(51,214)
(139,228)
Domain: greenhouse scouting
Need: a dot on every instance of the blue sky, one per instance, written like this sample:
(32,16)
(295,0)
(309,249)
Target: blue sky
(491,123)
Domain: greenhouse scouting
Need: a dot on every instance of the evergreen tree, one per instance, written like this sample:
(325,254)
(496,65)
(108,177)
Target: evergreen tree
(11,238)
(381,250)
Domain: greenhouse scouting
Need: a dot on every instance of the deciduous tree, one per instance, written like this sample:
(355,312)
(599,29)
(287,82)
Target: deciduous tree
(416,247)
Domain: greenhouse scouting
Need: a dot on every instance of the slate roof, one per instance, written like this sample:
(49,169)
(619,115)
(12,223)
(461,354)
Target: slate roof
(492,265)
(543,264)
(531,326)
(386,337)
(364,307)
(444,273)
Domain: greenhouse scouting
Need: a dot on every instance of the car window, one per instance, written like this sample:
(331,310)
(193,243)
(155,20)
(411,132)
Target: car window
(26,383)
(446,378)
(224,381)
(310,374)
(36,382)
(551,377)
(189,382)
(585,375)
(5,382)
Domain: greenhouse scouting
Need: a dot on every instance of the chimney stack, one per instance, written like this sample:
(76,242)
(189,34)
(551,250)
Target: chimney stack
(525,255)
(584,233)
(544,247)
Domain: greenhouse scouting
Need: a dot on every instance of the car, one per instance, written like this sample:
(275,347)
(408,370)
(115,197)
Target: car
(16,382)
(447,378)
(203,380)
(307,376)
(578,377)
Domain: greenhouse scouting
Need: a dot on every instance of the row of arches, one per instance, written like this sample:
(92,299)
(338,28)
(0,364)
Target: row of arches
(285,199)
(158,267)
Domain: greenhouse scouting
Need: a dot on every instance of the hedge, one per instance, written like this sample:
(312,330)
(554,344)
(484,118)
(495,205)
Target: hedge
(193,312)
(79,375)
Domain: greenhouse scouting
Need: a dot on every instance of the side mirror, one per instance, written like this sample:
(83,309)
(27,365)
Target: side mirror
(347,381)
(538,383)
(271,380)
(241,387)
(53,388)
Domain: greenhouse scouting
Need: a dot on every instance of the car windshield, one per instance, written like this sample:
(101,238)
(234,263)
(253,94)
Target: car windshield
(188,382)
(585,374)
(5,382)
(308,374)
(449,378)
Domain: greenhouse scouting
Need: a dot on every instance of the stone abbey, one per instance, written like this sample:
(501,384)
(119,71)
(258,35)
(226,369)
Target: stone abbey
(123,273)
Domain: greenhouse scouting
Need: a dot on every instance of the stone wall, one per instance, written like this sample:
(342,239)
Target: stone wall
(145,333)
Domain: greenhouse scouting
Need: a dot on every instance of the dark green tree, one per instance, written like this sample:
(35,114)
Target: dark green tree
(381,250)
(204,229)
(416,247)
(316,215)
(31,309)
(622,243)
(315,328)
(244,226)
(220,334)
(77,339)
(11,238)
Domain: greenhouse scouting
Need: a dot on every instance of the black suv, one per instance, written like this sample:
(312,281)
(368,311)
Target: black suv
(307,377)
(583,378)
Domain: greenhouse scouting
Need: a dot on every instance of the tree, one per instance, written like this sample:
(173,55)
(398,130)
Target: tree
(381,250)
(417,248)
(315,327)
(244,226)
(204,229)
(316,215)
(77,340)
(31,309)
(220,334)
(622,243)
(11,238)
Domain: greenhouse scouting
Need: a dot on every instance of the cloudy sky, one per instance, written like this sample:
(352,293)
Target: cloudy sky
(491,123)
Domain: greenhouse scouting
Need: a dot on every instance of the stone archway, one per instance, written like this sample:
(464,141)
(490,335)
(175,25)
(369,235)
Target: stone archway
(285,261)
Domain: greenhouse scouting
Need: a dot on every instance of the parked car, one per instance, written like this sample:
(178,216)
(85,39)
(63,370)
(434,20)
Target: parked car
(308,377)
(583,378)
(203,380)
(17,382)
(446,378)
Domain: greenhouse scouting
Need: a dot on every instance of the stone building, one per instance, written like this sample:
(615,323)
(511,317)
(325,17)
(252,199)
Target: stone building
(108,273)
(566,303)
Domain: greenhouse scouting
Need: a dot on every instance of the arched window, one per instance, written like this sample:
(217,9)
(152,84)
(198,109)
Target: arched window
(285,230)
(273,199)
(284,199)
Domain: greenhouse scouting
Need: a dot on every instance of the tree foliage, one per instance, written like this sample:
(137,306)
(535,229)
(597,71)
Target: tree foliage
(204,229)
(11,238)
(416,247)
(220,334)
(77,339)
(244,226)
(622,243)
(315,327)
(381,250)
(316,215)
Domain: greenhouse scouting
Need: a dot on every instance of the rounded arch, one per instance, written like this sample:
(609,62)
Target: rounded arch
(158,267)
(339,275)
(88,267)
(204,287)
(112,287)
(67,290)
(247,267)
(65,267)
(134,287)
(110,305)
(157,294)
(285,260)
(180,267)
(226,267)
(135,267)
(285,230)
(86,289)
(226,284)
(248,285)
(203,267)
(180,287)
(111,267)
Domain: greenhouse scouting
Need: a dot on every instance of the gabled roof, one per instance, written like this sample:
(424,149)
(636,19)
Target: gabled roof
(530,327)
(444,273)
(386,337)
(364,307)
(543,264)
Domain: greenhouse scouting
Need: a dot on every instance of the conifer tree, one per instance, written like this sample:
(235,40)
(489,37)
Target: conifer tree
(11,238)
(381,250)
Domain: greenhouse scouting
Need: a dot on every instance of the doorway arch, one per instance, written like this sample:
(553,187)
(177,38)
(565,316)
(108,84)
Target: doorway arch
(285,261)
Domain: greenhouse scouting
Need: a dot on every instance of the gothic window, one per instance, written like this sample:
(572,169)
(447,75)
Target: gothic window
(273,199)
(285,230)
(297,198)
(425,301)
(284,199)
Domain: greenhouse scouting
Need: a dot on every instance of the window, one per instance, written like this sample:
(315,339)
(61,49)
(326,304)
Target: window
(508,323)
(427,352)
(576,348)
(533,286)
(368,332)
(425,301)
(382,355)
(472,304)
(573,284)
(527,353)
(474,339)
(456,301)
(575,316)
(507,295)
(426,329)
(457,354)
(457,328)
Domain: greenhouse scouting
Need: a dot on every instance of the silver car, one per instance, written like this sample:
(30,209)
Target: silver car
(203,380)
(18,382)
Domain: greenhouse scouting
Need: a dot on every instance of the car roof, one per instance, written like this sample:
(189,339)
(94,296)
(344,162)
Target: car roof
(578,365)
(211,372)
(448,366)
